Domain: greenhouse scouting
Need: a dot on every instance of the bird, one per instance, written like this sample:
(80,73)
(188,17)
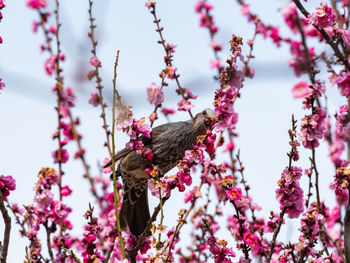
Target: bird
(168,143)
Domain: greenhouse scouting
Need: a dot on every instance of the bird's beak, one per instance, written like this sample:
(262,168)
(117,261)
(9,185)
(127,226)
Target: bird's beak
(210,112)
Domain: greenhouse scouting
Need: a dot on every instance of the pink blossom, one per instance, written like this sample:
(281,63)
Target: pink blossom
(37,4)
(200,5)
(47,178)
(215,63)
(219,250)
(59,212)
(289,12)
(289,194)
(234,193)
(169,72)
(1,40)
(140,126)
(245,9)
(301,90)
(184,105)
(274,35)
(163,184)
(50,64)
(323,17)
(216,45)
(312,128)
(124,117)
(35,27)
(196,154)
(94,99)
(155,95)
(168,111)
(64,156)
(2,84)
(343,82)
(66,191)
(189,94)
(150,4)
(345,34)
(7,184)
(52,29)
(250,239)
(229,146)
(95,62)
(299,60)
(44,199)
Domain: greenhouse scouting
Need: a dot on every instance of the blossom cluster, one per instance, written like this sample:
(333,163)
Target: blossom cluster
(289,194)
(7,184)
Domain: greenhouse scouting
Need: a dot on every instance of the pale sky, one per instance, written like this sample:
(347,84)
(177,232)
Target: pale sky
(28,118)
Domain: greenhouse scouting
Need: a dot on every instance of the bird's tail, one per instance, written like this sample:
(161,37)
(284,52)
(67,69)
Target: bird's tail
(135,215)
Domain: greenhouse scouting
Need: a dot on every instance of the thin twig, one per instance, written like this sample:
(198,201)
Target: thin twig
(116,195)
(6,240)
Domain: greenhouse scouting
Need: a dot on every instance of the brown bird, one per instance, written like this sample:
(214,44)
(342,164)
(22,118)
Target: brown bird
(168,142)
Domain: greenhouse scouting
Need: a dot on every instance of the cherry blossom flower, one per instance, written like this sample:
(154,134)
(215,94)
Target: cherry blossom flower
(250,239)
(155,95)
(184,105)
(301,90)
(94,99)
(7,184)
(234,193)
(37,4)
(289,194)
(95,62)
(323,17)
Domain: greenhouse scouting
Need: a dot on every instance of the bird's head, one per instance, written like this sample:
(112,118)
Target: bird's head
(198,120)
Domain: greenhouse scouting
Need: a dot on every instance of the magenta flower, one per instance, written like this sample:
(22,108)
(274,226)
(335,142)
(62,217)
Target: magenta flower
(66,191)
(312,128)
(44,199)
(289,12)
(95,62)
(37,4)
(59,212)
(47,177)
(184,105)
(245,9)
(299,59)
(343,82)
(218,248)
(64,156)
(94,99)
(124,118)
(7,184)
(323,17)
(168,111)
(289,194)
(250,239)
(196,154)
(155,95)
(215,63)
(216,45)
(234,193)
(2,84)
(169,72)
(150,4)
(345,34)
(301,90)
(50,64)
